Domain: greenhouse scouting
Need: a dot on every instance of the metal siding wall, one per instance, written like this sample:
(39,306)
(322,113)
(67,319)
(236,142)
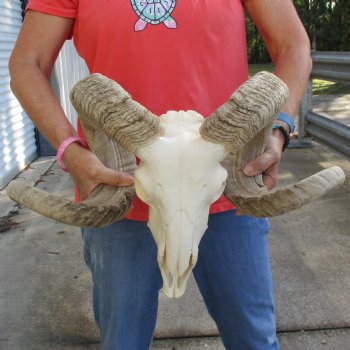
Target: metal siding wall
(69,68)
(17,137)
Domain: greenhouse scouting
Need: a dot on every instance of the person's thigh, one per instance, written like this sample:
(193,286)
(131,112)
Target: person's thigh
(122,258)
(233,274)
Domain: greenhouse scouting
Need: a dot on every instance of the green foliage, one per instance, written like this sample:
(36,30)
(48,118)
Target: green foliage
(327,23)
(257,52)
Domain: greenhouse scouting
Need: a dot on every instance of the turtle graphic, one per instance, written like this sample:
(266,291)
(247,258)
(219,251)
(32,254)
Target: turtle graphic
(154,12)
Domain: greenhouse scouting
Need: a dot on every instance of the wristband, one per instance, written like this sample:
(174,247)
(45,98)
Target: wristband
(286,118)
(285,134)
(66,142)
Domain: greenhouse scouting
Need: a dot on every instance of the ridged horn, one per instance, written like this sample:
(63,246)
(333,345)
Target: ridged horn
(105,204)
(290,197)
(100,209)
(251,107)
(105,105)
(248,193)
(108,114)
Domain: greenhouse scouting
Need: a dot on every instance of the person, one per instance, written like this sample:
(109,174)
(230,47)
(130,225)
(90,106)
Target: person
(168,54)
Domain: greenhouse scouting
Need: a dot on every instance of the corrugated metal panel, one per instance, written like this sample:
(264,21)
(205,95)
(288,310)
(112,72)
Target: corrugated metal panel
(69,68)
(17,137)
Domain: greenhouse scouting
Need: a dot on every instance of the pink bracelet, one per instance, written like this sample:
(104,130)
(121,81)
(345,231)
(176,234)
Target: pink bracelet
(66,142)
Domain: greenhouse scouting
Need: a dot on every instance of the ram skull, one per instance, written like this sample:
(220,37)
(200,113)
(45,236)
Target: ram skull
(180,173)
(179,176)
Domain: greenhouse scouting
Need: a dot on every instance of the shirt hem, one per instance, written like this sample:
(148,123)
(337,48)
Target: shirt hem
(52,10)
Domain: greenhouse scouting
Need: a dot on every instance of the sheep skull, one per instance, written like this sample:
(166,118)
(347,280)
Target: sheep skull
(179,177)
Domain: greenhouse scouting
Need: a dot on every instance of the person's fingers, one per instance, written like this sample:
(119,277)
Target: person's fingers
(267,165)
(270,179)
(85,191)
(87,172)
(115,178)
(258,165)
(107,176)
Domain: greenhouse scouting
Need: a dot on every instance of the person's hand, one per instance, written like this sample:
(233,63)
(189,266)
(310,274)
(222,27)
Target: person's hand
(267,163)
(87,171)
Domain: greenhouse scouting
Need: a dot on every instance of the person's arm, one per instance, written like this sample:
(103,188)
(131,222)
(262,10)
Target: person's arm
(289,48)
(30,65)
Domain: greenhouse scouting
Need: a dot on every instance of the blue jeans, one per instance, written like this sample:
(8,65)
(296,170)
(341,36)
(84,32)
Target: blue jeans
(233,274)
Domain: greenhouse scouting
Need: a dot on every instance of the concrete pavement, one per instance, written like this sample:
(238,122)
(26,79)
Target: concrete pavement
(310,340)
(45,287)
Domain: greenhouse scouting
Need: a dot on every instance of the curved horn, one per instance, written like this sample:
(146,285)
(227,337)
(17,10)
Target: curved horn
(105,205)
(248,193)
(107,113)
(251,108)
(105,105)
(290,197)
(243,125)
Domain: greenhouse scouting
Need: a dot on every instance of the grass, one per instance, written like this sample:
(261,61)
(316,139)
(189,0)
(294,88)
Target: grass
(319,86)
(325,87)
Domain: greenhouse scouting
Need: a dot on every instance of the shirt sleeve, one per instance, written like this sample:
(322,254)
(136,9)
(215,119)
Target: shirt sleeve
(62,8)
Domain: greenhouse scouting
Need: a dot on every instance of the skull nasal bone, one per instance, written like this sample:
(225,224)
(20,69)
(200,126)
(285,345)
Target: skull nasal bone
(180,240)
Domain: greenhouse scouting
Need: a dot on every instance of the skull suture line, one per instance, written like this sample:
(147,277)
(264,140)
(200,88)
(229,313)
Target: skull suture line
(116,127)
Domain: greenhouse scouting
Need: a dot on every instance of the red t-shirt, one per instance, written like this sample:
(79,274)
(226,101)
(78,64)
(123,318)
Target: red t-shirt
(168,54)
